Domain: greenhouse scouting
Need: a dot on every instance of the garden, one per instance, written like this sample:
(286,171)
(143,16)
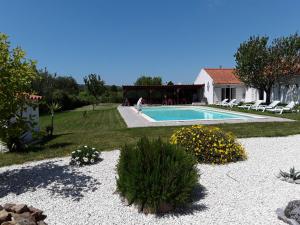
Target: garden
(197,174)
(85,166)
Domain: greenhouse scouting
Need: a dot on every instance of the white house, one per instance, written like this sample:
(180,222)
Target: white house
(222,83)
(33,113)
(30,113)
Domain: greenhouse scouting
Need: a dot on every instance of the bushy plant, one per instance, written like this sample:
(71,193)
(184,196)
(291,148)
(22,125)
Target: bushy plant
(156,176)
(290,176)
(209,144)
(16,74)
(85,156)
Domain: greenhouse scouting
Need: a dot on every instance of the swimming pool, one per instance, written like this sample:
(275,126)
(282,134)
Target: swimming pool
(156,114)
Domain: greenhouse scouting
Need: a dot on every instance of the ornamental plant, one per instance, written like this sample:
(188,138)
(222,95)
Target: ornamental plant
(293,176)
(156,176)
(209,144)
(85,156)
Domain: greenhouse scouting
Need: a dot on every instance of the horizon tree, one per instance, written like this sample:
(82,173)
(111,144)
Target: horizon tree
(95,86)
(148,80)
(260,64)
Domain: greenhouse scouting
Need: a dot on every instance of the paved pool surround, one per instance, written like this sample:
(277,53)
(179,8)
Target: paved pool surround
(134,119)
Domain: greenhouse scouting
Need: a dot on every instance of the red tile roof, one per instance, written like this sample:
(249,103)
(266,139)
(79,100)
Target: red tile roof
(223,76)
(35,97)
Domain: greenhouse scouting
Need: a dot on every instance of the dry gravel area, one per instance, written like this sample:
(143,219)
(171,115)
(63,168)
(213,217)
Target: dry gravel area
(238,193)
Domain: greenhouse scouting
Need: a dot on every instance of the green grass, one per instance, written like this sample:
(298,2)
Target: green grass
(105,129)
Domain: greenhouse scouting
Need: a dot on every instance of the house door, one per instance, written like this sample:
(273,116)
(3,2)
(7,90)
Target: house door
(229,93)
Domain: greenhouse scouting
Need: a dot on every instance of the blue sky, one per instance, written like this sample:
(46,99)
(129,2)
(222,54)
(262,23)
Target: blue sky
(121,40)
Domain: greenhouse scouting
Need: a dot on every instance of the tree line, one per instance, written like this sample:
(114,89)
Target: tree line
(65,91)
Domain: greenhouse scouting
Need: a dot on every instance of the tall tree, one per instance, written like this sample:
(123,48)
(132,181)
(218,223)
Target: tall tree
(95,86)
(261,64)
(148,80)
(16,76)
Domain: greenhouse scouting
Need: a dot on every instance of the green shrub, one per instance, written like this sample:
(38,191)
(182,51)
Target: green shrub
(155,176)
(209,144)
(85,156)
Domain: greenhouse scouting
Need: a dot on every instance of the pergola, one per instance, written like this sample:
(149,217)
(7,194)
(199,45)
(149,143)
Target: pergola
(163,94)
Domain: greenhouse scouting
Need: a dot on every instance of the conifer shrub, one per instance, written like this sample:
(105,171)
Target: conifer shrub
(209,144)
(156,176)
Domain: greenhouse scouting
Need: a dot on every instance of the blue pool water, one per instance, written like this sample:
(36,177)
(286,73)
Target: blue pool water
(191,113)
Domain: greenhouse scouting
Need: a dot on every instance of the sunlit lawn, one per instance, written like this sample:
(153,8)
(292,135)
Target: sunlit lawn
(105,129)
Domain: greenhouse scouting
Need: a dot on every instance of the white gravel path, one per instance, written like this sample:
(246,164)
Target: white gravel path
(239,193)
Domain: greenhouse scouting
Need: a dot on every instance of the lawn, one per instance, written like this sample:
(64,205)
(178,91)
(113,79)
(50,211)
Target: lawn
(105,129)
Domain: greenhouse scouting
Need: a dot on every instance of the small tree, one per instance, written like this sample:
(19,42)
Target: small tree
(261,65)
(95,86)
(148,80)
(16,76)
(53,107)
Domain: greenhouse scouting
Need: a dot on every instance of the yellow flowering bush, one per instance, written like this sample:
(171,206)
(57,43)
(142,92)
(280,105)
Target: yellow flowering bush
(209,144)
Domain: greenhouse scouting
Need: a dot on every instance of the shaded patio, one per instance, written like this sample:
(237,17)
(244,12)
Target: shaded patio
(163,94)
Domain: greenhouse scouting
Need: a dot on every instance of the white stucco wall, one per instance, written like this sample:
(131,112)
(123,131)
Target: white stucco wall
(27,112)
(240,93)
(204,78)
(287,92)
(32,112)
(252,95)
(3,148)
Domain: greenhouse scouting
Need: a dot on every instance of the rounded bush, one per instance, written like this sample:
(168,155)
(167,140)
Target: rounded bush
(156,176)
(209,144)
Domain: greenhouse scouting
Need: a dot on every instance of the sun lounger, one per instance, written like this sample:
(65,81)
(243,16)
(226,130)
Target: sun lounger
(223,102)
(280,109)
(270,106)
(251,106)
(231,103)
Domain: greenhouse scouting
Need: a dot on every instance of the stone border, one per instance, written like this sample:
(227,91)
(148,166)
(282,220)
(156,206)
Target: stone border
(281,216)
(133,118)
(21,214)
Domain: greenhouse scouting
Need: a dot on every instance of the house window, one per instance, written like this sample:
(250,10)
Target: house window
(229,93)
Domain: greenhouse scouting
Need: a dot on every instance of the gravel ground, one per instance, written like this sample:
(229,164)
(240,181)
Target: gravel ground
(239,193)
